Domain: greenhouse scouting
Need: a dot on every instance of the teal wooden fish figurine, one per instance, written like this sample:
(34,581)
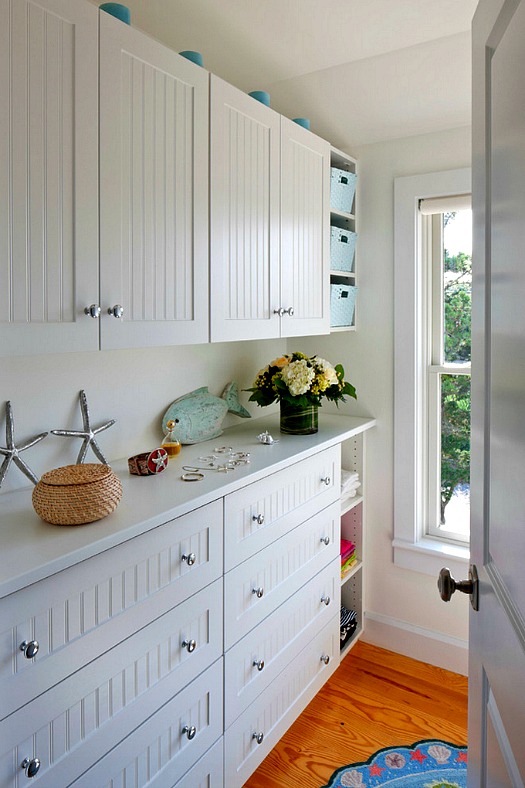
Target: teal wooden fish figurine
(198,416)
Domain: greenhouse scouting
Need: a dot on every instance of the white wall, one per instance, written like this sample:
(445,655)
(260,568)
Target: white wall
(422,625)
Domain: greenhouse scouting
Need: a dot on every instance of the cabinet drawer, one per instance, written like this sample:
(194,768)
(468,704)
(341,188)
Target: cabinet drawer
(158,753)
(275,709)
(77,721)
(77,614)
(255,588)
(260,513)
(208,771)
(253,663)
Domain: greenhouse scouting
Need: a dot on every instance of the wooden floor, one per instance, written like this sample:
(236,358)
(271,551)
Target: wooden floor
(375,699)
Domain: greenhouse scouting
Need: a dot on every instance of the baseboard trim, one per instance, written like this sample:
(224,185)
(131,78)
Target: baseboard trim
(417,642)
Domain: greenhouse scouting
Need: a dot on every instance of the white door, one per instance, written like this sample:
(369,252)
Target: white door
(305,228)
(153,192)
(497,630)
(244,216)
(48,175)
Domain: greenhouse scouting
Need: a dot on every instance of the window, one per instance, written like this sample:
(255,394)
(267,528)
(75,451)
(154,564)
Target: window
(431,372)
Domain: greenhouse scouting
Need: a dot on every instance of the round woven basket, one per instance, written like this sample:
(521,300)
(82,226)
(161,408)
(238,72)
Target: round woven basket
(77,494)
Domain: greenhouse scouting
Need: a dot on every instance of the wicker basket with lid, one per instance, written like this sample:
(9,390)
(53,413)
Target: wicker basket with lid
(77,494)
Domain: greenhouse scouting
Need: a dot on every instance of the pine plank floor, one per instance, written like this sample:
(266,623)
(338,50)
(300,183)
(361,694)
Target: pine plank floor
(375,699)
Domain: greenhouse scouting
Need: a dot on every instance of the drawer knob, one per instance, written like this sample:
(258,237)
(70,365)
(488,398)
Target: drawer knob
(30,649)
(258,737)
(289,311)
(93,311)
(326,480)
(279,311)
(190,645)
(326,599)
(117,311)
(325,540)
(258,663)
(258,592)
(258,518)
(30,766)
(190,731)
(325,658)
(190,558)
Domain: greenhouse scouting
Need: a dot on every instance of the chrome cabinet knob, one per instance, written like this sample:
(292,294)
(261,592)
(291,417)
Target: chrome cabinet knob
(189,645)
(258,663)
(190,731)
(93,311)
(326,599)
(30,766)
(30,648)
(190,558)
(325,658)
(117,311)
(326,480)
(279,311)
(258,737)
(258,518)
(289,311)
(325,540)
(258,592)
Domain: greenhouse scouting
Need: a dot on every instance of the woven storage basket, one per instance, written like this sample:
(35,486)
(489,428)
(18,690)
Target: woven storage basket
(342,249)
(342,305)
(77,494)
(342,189)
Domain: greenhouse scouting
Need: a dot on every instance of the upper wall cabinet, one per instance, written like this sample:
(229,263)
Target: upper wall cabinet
(269,222)
(49,175)
(153,192)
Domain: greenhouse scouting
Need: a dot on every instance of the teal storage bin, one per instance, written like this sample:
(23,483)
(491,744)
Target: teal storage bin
(342,189)
(342,305)
(342,249)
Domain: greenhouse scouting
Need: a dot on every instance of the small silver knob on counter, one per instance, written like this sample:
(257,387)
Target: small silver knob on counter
(258,737)
(190,558)
(30,648)
(189,645)
(30,766)
(190,731)
(258,663)
(117,311)
(93,311)
(258,592)
(258,518)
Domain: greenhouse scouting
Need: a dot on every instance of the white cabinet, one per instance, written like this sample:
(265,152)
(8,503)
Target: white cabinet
(268,222)
(153,191)
(49,183)
(343,238)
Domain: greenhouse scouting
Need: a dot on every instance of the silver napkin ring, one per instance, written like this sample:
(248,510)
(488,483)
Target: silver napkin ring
(192,476)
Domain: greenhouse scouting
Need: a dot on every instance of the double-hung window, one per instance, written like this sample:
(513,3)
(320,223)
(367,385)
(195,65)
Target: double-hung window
(432,371)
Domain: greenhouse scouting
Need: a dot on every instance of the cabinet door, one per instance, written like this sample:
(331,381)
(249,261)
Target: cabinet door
(49,175)
(153,191)
(305,228)
(244,243)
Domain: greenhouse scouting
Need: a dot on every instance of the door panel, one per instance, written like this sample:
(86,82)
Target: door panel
(497,631)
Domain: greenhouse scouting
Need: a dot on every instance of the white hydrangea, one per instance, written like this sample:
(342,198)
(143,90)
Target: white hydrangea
(328,373)
(298,376)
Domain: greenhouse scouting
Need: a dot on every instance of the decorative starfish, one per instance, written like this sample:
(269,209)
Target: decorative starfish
(87,433)
(12,451)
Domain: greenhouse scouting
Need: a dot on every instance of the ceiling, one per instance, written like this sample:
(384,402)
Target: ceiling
(361,70)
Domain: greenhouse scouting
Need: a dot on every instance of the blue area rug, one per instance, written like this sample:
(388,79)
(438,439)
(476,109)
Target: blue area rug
(430,763)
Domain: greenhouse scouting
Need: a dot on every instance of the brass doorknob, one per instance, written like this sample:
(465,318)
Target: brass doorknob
(447,586)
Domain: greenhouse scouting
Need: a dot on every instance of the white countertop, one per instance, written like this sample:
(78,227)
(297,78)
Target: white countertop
(31,549)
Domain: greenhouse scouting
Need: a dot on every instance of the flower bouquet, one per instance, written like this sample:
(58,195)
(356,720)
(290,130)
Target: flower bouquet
(298,383)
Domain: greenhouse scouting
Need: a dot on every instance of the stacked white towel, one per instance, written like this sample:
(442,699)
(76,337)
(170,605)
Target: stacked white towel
(349,483)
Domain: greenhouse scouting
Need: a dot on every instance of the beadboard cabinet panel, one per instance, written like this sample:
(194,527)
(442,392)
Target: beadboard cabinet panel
(49,184)
(244,221)
(305,239)
(153,191)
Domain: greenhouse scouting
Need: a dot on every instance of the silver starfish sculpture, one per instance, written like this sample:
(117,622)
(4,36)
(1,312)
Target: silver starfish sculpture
(87,433)
(12,452)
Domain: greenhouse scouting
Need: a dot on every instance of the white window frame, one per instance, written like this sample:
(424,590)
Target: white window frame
(413,548)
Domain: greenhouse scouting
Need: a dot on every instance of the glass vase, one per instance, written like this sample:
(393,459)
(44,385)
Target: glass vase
(297,420)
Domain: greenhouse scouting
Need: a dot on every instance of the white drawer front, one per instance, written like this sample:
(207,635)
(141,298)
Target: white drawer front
(257,587)
(275,710)
(253,663)
(260,513)
(158,753)
(208,772)
(80,612)
(79,720)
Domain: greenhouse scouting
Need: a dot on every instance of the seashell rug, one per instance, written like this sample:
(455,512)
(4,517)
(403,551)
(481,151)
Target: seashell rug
(430,763)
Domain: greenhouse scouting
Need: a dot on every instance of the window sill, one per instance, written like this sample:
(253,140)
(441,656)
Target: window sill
(430,555)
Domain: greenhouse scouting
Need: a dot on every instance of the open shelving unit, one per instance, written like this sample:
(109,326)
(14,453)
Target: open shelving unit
(344,221)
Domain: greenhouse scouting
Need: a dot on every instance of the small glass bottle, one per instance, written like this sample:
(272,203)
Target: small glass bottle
(170,442)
